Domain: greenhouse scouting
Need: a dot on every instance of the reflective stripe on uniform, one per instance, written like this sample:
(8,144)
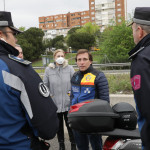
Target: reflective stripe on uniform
(16,83)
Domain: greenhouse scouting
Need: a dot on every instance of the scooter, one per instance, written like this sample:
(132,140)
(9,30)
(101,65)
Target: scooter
(118,123)
(120,139)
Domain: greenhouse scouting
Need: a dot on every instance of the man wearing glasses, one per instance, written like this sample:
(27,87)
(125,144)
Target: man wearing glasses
(88,83)
(26,109)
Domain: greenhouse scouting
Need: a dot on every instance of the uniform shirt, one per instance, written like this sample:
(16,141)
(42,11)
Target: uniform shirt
(140,80)
(24,99)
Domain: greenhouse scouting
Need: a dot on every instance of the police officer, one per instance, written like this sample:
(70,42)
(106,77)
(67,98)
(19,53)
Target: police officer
(26,109)
(140,71)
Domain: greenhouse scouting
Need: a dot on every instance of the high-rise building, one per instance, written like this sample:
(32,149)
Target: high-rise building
(108,11)
(101,12)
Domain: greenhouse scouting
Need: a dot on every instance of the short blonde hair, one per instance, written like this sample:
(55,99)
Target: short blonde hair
(57,51)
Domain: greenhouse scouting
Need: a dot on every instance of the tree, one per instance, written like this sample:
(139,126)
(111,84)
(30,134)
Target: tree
(73,30)
(89,28)
(31,43)
(78,40)
(83,37)
(58,42)
(116,41)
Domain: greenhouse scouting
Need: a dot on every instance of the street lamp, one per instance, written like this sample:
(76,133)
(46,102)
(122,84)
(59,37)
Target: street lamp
(4,5)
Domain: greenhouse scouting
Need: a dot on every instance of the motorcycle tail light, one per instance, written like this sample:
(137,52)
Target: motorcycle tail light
(112,144)
(76,107)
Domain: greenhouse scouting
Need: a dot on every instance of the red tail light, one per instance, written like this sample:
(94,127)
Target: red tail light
(112,143)
(76,107)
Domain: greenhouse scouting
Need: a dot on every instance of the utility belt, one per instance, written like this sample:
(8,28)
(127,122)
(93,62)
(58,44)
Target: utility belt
(36,143)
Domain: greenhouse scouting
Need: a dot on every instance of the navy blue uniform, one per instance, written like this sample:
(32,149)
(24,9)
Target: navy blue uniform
(26,109)
(140,80)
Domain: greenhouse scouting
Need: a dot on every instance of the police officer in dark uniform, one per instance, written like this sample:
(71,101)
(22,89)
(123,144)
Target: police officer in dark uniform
(26,110)
(140,71)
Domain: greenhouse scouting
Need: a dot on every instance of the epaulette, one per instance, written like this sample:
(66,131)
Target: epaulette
(22,61)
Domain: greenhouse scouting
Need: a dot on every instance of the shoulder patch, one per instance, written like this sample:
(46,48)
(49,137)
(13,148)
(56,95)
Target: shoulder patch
(22,61)
(43,89)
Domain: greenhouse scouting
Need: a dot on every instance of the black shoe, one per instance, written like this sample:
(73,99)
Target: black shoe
(61,146)
(73,146)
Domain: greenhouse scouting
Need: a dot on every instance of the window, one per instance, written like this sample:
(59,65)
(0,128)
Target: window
(119,20)
(92,13)
(92,8)
(119,4)
(119,15)
(119,9)
(103,5)
(92,2)
(87,17)
(93,18)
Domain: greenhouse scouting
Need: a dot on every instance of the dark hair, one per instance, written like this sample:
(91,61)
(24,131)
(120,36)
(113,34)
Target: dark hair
(82,51)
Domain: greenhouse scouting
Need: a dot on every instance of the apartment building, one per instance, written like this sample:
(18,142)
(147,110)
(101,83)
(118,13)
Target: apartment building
(60,24)
(108,11)
(101,12)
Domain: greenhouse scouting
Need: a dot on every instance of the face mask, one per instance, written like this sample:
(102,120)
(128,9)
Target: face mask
(60,60)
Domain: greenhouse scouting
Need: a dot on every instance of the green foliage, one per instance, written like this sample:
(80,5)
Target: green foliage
(31,43)
(73,30)
(89,28)
(80,40)
(83,37)
(123,86)
(22,28)
(116,41)
(57,42)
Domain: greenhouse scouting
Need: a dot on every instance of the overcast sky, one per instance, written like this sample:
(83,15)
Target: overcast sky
(26,12)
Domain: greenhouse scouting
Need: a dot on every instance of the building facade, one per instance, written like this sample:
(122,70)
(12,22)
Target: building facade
(101,12)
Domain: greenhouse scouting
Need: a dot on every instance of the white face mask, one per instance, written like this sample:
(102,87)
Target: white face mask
(60,60)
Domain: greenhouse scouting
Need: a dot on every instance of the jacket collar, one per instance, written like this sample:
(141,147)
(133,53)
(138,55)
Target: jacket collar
(140,46)
(6,48)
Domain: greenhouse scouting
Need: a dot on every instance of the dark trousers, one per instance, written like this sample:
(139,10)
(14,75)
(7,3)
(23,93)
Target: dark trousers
(60,134)
(82,141)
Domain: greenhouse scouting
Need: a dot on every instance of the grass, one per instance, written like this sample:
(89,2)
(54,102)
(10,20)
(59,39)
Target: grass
(119,83)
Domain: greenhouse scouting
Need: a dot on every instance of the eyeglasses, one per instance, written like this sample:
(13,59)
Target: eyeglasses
(14,33)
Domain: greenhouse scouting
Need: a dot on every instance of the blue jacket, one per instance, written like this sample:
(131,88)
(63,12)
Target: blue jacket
(89,84)
(25,105)
(140,80)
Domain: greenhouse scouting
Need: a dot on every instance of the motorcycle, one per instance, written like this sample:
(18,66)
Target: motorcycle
(120,139)
(118,123)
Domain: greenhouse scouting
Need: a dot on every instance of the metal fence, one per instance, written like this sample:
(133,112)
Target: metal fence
(107,68)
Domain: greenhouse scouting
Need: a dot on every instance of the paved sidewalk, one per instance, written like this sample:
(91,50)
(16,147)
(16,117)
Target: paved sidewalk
(114,98)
